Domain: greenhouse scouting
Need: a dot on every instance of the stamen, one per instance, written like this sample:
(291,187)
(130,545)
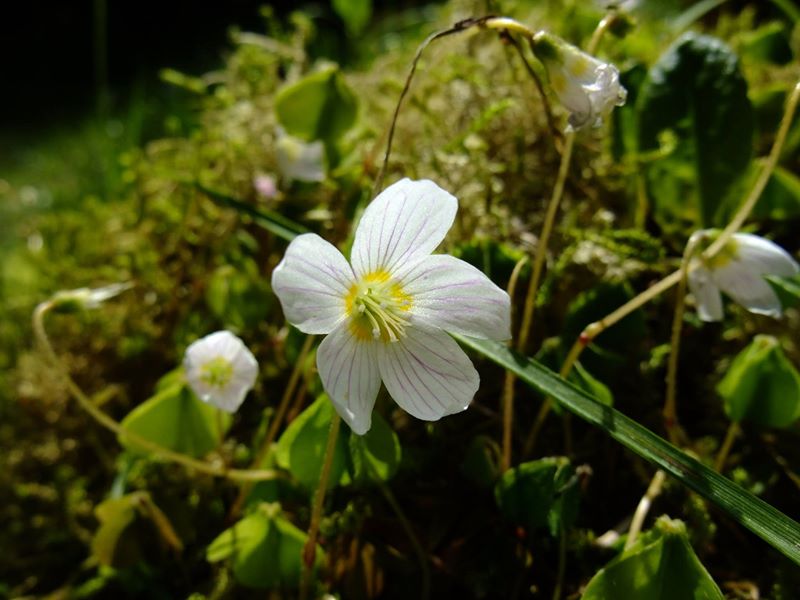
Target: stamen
(376,306)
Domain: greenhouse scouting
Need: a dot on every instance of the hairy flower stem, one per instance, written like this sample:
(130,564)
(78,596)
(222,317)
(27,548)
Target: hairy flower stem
(670,403)
(274,426)
(310,548)
(727,444)
(653,490)
(508,384)
(103,419)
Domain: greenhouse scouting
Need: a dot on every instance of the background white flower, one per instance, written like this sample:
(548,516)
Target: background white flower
(220,370)
(587,87)
(386,316)
(299,160)
(739,270)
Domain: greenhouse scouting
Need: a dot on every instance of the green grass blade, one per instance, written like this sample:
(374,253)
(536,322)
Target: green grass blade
(270,220)
(764,520)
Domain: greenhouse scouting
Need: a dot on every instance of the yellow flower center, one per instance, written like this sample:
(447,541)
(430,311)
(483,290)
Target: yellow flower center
(216,372)
(724,256)
(378,308)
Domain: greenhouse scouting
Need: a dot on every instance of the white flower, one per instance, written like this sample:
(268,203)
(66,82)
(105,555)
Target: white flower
(220,370)
(386,315)
(299,160)
(265,186)
(88,298)
(587,87)
(738,270)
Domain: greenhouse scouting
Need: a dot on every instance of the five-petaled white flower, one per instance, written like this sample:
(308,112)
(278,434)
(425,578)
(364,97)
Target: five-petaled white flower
(220,370)
(299,160)
(387,314)
(738,269)
(587,87)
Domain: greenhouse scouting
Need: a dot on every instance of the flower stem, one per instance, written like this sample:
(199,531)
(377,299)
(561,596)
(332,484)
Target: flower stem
(653,490)
(562,563)
(670,411)
(106,421)
(544,238)
(274,425)
(310,548)
(727,444)
(510,378)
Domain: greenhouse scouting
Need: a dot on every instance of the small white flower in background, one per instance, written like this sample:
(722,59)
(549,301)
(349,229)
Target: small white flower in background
(738,269)
(387,314)
(299,160)
(220,370)
(587,87)
(265,186)
(88,298)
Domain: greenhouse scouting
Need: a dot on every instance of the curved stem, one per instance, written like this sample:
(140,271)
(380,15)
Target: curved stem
(670,411)
(653,490)
(275,425)
(755,193)
(310,548)
(727,444)
(106,421)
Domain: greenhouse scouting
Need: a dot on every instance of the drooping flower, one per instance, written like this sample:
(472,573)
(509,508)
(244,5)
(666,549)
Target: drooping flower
(299,160)
(587,87)
(88,298)
(220,370)
(386,316)
(738,269)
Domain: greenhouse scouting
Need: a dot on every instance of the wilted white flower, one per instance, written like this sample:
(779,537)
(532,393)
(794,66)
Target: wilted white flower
(738,269)
(587,87)
(299,160)
(387,314)
(88,298)
(220,370)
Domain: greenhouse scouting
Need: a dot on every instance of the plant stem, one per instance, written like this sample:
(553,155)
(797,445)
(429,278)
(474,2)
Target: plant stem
(670,412)
(544,238)
(727,444)
(310,548)
(103,419)
(274,425)
(653,490)
(562,563)
(508,383)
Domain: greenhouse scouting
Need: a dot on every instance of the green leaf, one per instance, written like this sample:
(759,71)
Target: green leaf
(375,455)
(302,446)
(787,288)
(539,493)
(696,90)
(658,567)
(764,520)
(110,545)
(320,106)
(761,385)
(592,386)
(176,419)
(767,43)
(481,461)
(269,220)
(354,13)
(266,549)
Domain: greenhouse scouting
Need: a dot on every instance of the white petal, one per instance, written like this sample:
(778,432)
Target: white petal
(300,160)
(221,345)
(311,283)
(409,219)
(743,278)
(706,295)
(348,368)
(428,374)
(450,294)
